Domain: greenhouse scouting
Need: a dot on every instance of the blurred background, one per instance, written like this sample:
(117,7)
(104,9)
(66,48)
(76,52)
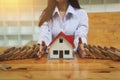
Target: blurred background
(19,21)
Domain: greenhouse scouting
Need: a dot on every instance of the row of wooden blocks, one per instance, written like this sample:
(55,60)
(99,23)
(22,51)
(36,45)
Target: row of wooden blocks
(98,52)
(28,52)
(19,53)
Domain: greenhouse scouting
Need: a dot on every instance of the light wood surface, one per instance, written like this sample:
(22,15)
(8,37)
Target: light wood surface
(104,19)
(104,29)
(76,69)
(104,36)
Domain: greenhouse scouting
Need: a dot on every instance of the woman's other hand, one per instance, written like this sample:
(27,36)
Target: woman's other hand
(81,50)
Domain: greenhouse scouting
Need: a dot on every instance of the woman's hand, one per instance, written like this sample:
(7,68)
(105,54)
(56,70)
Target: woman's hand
(81,50)
(42,49)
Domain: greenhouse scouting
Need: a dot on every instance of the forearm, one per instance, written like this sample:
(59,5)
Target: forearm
(45,34)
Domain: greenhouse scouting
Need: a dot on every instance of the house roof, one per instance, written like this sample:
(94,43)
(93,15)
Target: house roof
(69,38)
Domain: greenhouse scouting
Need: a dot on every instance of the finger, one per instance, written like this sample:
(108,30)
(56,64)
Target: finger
(44,47)
(80,40)
(39,55)
(83,53)
(40,52)
(43,43)
(81,46)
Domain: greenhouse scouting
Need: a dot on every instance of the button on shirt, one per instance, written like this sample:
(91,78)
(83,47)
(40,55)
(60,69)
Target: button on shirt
(74,23)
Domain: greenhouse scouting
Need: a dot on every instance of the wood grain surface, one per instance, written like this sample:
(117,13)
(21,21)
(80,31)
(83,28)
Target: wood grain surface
(77,69)
(104,29)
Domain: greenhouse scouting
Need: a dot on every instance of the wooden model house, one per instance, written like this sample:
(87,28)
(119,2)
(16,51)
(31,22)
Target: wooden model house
(61,47)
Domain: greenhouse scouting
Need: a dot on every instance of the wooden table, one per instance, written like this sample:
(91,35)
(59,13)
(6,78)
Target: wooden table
(77,69)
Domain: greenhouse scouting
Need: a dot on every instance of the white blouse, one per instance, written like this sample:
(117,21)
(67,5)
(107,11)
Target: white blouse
(74,23)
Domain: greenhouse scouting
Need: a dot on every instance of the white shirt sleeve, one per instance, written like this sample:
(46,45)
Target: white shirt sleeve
(82,29)
(45,34)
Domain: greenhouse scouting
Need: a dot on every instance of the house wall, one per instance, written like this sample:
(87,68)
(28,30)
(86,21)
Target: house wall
(59,46)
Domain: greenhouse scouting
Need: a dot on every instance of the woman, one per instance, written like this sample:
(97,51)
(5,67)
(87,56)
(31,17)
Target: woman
(66,16)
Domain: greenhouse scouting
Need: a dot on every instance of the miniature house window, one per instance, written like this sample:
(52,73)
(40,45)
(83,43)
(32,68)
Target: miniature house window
(60,40)
(67,52)
(55,52)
